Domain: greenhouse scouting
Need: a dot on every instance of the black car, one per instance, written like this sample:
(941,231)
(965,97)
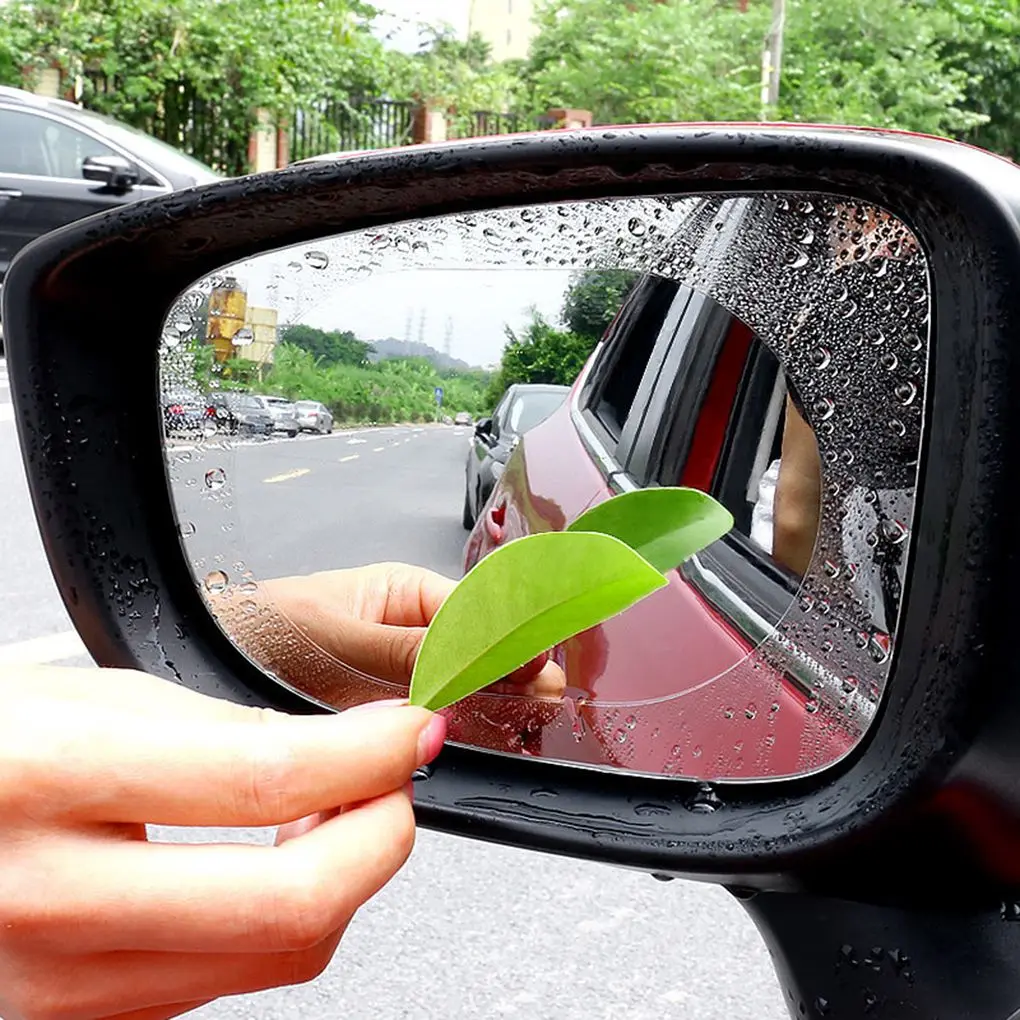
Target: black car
(522,407)
(240,414)
(59,162)
(186,412)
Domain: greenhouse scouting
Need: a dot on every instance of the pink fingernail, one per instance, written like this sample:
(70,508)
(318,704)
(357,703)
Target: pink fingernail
(430,742)
(388,703)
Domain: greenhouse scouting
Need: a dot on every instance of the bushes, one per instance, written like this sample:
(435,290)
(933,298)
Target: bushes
(396,390)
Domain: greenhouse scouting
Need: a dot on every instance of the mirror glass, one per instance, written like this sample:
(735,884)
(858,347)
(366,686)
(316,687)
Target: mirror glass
(426,392)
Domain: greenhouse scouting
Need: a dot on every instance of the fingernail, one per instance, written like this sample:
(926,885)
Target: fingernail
(430,742)
(388,703)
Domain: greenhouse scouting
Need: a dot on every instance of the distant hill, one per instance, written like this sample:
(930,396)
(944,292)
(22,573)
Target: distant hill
(391,348)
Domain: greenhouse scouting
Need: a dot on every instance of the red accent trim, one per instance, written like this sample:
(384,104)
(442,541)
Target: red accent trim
(710,431)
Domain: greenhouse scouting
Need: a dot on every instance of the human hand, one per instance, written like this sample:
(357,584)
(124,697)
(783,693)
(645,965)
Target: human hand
(374,619)
(97,922)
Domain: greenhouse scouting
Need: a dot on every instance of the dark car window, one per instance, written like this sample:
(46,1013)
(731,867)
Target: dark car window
(44,147)
(623,378)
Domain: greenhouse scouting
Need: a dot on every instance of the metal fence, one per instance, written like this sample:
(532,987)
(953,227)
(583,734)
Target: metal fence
(213,132)
(482,123)
(334,125)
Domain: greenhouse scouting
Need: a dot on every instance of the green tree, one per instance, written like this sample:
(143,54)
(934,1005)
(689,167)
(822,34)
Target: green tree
(594,298)
(332,347)
(914,64)
(873,62)
(646,61)
(147,61)
(540,354)
(984,44)
(458,76)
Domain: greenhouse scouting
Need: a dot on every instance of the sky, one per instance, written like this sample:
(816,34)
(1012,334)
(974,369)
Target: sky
(471,307)
(403,15)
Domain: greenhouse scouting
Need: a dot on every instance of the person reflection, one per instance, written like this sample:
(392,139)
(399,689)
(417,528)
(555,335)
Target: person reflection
(785,518)
(370,619)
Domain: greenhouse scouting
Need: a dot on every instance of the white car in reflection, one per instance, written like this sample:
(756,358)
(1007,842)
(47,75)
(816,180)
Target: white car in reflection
(314,417)
(283,412)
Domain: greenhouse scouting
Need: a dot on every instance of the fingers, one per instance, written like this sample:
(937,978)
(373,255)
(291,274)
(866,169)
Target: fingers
(254,769)
(207,898)
(168,984)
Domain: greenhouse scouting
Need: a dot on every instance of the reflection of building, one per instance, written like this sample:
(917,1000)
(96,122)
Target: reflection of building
(239,331)
(505,25)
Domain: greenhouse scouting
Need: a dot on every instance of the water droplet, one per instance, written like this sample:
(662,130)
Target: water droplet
(897,428)
(637,226)
(822,1006)
(820,358)
(905,393)
(826,647)
(806,603)
(795,258)
(630,722)
(811,706)
(823,408)
(317,259)
(620,736)
(243,337)
(803,234)
(215,479)
(728,713)
(249,608)
(889,361)
(294,267)
(216,581)
(750,712)
(186,529)
(894,532)
(831,568)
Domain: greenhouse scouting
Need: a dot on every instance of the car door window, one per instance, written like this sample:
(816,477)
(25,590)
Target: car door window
(623,378)
(44,147)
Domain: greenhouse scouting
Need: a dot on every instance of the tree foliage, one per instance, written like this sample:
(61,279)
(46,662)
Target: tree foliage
(941,66)
(594,298)
(330,347)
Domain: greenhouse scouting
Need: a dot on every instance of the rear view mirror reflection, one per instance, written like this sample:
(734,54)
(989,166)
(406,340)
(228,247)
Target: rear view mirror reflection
(427,392)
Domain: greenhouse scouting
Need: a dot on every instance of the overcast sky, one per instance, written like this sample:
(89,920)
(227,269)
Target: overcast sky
(404,15)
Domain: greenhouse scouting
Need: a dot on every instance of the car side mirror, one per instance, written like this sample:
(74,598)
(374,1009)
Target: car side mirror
(115,172)
(483,428)
(844,715)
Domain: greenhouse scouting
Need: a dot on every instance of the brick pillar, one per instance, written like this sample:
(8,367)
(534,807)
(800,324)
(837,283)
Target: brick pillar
(571,118)
(429,124)
(48,83)
(263,143)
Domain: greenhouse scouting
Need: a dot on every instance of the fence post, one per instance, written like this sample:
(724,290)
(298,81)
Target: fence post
(571,118)
(428,124)
(48,83)
(263,143)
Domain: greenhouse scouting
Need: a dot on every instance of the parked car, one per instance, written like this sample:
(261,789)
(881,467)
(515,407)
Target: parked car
(462,418)
(522,407)
(283,412)
(314,417)
(187,412)
(679,424)
(240,414)
(59,162)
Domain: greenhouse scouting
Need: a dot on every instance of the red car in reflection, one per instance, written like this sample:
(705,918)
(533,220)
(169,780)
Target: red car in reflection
(679,393)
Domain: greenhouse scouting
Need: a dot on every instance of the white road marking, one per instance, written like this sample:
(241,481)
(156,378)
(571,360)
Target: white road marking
(344,460)
(287,476)
(38,651)
(356,442)
(6,412)
(379,449)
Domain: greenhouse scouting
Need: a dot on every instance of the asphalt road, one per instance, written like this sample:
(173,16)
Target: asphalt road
(467,930)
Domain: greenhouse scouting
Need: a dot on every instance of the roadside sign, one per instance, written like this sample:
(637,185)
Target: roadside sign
(439,395)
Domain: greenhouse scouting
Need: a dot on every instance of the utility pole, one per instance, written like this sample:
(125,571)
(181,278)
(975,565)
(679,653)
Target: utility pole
(772,60)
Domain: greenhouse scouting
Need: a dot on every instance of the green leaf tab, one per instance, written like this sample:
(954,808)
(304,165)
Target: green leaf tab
(520,601)
(665,526)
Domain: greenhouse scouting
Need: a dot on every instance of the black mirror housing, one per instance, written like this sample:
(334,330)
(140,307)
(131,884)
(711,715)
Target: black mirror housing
(116,172)
(941,749)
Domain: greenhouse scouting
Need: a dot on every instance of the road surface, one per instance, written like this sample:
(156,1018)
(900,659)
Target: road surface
(467,931)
